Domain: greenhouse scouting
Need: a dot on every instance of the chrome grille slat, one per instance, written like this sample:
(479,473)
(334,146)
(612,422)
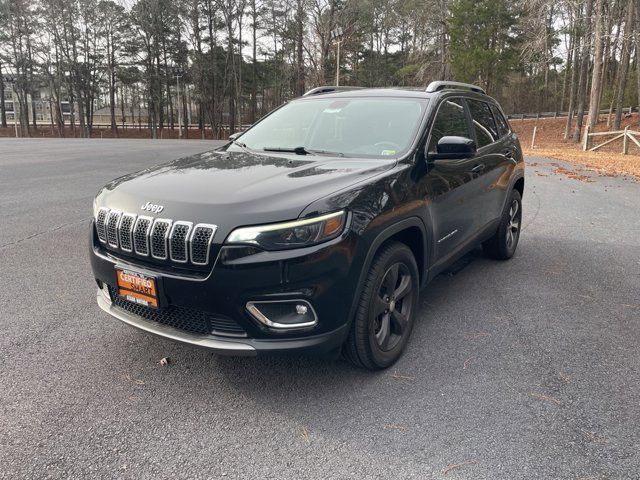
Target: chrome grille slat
(159,235)
(141,235)
(101,224)
(178,241)
(201,239)
(113,221)
(125,232)
(160,238)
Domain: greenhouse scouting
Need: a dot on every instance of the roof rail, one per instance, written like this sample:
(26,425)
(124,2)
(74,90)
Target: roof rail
(330,89)
(437,86)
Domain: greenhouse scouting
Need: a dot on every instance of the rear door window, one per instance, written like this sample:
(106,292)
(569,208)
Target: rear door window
(483,123)
(451,120)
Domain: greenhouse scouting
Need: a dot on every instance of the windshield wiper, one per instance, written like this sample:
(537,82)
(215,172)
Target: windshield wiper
(296,150)
(327,152)
(303,151)
(239,144)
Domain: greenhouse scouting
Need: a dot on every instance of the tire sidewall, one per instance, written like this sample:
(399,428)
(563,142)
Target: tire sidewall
(510,251)
(404,255)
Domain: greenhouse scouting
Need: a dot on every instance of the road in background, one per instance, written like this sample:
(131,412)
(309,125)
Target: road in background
(519,369)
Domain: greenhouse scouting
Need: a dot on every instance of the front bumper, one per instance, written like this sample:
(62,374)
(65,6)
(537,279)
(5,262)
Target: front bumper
(324,276)
(317,344)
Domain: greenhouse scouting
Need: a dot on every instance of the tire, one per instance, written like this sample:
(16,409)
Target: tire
(384,320)
(503,244)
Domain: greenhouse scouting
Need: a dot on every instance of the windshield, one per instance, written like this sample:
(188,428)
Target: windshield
(363,127)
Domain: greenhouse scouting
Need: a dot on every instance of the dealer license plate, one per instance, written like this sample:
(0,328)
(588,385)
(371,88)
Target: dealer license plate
(137,288)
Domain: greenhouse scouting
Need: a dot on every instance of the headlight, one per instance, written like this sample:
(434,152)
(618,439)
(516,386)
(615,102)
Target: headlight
(295,234)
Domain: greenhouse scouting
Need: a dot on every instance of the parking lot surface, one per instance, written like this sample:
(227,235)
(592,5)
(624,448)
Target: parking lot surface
(519,369)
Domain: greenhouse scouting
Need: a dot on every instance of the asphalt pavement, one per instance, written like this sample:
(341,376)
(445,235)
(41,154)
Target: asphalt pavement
(520,369)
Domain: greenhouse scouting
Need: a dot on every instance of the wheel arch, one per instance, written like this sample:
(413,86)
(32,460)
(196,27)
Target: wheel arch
(410,231)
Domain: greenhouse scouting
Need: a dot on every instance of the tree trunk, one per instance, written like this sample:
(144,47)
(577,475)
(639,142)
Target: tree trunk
(638,69)
(568,69)
(254,64)
(3,113)
(624,65)
(596,77)
(584,69)
(112,83)
(299,40)
(574,84)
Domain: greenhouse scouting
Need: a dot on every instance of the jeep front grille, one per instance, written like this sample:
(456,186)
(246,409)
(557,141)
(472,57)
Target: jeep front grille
(160,238)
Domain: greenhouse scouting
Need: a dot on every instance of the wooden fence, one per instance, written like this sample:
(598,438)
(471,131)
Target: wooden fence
(523,116)
(625,135)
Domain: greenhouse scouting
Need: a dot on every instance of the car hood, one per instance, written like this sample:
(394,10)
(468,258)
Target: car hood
(237,188)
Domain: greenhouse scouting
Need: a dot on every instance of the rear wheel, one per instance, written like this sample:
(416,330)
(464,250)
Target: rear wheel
(504,242)
(386,311)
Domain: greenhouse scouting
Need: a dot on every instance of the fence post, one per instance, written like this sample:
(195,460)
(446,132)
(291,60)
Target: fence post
(585,143)
(533,139)
(625,141)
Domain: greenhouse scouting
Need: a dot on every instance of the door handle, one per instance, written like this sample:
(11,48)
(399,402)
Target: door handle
(479,168)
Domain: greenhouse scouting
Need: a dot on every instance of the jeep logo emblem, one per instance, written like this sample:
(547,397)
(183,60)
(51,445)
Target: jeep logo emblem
(150,207)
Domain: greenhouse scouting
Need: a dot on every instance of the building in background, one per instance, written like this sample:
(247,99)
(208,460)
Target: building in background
(41,100)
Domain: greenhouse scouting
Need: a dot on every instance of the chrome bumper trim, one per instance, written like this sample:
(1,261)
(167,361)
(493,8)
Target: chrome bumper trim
(228,347)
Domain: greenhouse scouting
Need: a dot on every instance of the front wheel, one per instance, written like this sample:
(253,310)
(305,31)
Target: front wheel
(503,244)
(385,315)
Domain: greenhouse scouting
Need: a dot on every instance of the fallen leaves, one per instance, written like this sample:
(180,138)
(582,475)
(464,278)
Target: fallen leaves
(397,376)
(608,161)
(466,363)
(476,335)
(564,377)
(546,398)
(573,175)
(454,466)
(393,426)
(305,435)
(164,361)
(137,381)
(593,437)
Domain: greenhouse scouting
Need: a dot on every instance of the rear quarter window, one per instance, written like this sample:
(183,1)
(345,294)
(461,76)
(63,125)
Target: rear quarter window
(483,123)
(503,126)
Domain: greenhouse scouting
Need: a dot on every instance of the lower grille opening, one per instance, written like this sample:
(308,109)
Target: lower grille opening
(182,318)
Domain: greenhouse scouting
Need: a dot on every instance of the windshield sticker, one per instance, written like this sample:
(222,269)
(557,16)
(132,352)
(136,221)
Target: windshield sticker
(388,152)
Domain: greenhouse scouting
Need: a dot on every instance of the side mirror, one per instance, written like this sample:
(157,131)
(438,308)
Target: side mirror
(453,148)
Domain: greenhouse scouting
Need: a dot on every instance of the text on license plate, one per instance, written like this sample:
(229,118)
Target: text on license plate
(137,288)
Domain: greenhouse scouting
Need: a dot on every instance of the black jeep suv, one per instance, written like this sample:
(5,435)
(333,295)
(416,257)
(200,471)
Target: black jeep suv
(314,230)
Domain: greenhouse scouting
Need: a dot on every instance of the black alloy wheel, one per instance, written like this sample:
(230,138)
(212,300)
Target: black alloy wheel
(502,245)
(385,315)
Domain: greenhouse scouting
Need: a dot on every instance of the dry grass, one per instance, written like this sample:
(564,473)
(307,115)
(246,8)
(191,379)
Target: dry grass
(608,161)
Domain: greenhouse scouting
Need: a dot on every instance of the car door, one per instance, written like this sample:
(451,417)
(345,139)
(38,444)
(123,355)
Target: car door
(451,185)
(493,166)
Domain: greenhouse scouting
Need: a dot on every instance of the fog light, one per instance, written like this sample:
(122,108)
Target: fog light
(283,314)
